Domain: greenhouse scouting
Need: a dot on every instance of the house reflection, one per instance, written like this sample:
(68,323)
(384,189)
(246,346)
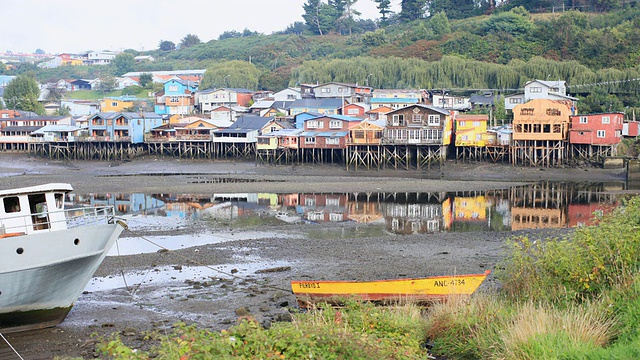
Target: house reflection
(536,206)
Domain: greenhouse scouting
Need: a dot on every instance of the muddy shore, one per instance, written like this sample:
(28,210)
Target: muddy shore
(192,284)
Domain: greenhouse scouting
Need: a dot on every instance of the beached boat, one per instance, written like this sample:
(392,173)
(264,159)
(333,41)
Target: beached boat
(48,254)
(418,290)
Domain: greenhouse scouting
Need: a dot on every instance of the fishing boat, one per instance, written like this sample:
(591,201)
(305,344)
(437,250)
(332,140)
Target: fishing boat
(419,290)
(48,254)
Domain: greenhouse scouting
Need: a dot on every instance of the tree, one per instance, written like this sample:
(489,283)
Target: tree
(319,16)
(166,45)
(3,67)
(384,7)
(146,79)
(234,73)
(412,9)
(107,84)
(440,24)
(189,40)
(22,94)
(123,63)
(55,93)
(64,111)
(39,51)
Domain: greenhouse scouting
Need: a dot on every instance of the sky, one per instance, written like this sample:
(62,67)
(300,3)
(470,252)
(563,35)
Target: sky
(76,26)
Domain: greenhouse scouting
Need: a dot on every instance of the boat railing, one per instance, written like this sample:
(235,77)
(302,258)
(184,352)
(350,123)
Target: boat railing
(57,220)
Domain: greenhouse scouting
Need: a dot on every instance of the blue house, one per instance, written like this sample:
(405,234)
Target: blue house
(122,126)
(177,97)
(320,106)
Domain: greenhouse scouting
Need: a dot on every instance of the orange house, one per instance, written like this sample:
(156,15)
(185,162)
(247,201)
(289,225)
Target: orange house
(542,119)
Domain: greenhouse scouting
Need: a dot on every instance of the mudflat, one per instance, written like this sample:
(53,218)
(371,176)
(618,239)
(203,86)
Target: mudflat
(238,271)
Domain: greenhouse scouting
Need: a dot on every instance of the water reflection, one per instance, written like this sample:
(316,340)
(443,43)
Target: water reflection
(541,205)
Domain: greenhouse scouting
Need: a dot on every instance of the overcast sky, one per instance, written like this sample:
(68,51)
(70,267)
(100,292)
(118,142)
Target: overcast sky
(74,26)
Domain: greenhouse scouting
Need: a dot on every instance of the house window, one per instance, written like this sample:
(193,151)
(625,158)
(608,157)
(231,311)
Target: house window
(606,120)
(476,124)
(416,118)
(515,101)
(553,112)
(462,123)
(414,135)
(526,111)
(600,134)
(335,124)
(398,120)
(325,90)
(341,90)
(434,120)
(173,88)
(353,111)
(618,133)
(114,103)
(310,140)
(174,99)
(535,89)
(554,89)
(272,129)
(584,120)
(313,124)
(332,141)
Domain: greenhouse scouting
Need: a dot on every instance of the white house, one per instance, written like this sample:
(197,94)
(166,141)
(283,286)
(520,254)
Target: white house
(539,89)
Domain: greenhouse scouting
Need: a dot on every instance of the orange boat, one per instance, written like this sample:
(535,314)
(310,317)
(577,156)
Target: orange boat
(417,289)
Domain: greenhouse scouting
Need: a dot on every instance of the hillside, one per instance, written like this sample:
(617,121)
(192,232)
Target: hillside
(596,53)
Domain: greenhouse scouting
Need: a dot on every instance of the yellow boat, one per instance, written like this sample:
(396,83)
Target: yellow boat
(416,289)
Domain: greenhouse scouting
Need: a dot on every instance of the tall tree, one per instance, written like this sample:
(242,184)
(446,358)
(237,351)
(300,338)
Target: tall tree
(146,79)
(412,9)
(166,45)
(189,40)
(22,94)
(384,7)
(123,63)
(319,16)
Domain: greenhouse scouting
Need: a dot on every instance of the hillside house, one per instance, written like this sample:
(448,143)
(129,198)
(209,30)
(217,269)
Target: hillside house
(177,97)
(116,104)
(319,106)
(418,125)
(540,89)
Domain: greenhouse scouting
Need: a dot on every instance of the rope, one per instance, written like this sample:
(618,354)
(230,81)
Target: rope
(196,262)
(12,348)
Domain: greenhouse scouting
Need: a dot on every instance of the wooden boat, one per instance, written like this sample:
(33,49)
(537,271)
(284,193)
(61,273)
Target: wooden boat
(48,254)
(418,290)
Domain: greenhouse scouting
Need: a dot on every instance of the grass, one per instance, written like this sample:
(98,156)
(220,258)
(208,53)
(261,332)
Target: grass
(576,297)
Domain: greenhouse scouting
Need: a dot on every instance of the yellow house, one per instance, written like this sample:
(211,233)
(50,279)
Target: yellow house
(471,130)
(115,105)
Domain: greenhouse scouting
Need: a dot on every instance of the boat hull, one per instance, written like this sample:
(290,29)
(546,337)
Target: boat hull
(414,290)
(45,273)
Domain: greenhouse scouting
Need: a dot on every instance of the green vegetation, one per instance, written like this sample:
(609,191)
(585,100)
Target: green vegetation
(561,298)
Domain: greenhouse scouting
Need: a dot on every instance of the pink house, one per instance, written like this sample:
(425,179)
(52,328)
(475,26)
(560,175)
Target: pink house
(596,129)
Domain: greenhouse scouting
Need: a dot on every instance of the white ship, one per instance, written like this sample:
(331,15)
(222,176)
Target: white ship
(48,254)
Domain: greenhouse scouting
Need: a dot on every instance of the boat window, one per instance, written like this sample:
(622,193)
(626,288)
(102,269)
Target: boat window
(11,204)
(39,214)
(59,200)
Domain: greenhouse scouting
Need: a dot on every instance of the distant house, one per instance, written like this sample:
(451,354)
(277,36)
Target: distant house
(100,57)
(212,98)
(379,113)
(453,102)
(482,101)
(116,104)
(176,98)
(320,106)
(80,107)
(289,94)
(245,129)
(542,119)
(58,133)
(223,113)
(367,132)
(540,89)
(279,139)
(352,93)
(356,110)
(397,98)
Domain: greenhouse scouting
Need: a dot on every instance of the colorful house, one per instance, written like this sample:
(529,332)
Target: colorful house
(418,125)
(596,129)
(470,130)
(122,126)
(367,132)
(327,132)
(358,110)
(176,98)
(320,106)
(116,104)
(397,98)
(379,113)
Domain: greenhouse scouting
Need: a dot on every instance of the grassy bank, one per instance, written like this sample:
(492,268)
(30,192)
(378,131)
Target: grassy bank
(561,298)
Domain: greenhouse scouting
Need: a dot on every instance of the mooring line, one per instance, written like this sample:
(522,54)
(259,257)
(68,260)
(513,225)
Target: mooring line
(199,263)
(12,348)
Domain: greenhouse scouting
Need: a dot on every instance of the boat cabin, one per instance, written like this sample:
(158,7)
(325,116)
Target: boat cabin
(32,209)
